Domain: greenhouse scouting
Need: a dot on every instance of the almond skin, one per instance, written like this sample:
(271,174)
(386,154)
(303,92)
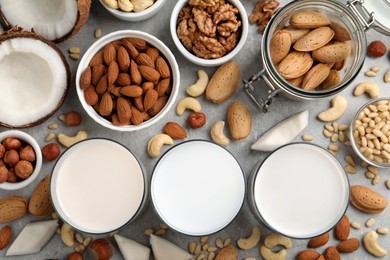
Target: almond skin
(367,200)
(240,120)
(175,130)
(97,59)
(163,67)
(315,76)
(348,246)
(90,96)
(149,73)
(106,105)
(5,236)
(332,53)
(144,59)
(12,208)
(342,229)
(163,87)
(102,85)
(308,255)
(97,73)
(136,116)
(314,39)
(319,241)
(139,44)
(153,53)
(331,253)
(308,20)
(295,64)
(123,79)
(123,59)
(131,91)
(158,106)
(331,81)
(123,109)
(280,45)
(296,33)
(109,54)
(135,74)
(341,34)
(130,48)
(40,203)
(86,78)
(150,98)
(112,72)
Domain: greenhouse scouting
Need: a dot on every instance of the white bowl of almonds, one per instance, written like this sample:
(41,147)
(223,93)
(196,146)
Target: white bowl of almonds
(132,10)
(127,80)
(370,132)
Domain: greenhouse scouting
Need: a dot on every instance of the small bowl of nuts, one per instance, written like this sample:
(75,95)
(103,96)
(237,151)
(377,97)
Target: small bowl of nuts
(20,159)
(127,80)
(209,33)
(370,132)
(132,10)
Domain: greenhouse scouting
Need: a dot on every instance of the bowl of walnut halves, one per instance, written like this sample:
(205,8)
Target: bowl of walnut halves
(209,32)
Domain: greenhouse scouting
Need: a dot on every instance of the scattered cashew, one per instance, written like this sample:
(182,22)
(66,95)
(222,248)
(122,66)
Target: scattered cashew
(140,5)
(370,88)
(125,5)
(267,254)
(217,134)
(200,86)
(386,78)
(371,245)
(68,141)
(67,235)
(156,142)
(339,105)
(276,239)
(251,241)
(188,103)
(111,3)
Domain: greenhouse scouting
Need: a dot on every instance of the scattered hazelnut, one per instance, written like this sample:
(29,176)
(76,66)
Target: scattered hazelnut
(12,177)
(72,118)
(27,153)
(51,151)
(376,49)
(23,169)
(11,157)
(75,256)
(101,249)
(196,120)
(3,174)
(11,143)
(2,151)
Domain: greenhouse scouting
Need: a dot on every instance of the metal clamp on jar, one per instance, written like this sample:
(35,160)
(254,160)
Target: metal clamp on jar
(355,17)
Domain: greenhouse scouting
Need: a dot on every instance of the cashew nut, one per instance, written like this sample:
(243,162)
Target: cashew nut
(111,3)
(217,134)
(68,141)
(267,254)
(188,103)
(125,5)
(370,88)
(339,105)
(371,245)
(67,235)
(251,241)
(140,5)
(276,239)
(200,86)
(156,142)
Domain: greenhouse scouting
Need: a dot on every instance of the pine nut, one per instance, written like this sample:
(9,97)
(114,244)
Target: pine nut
(370,222)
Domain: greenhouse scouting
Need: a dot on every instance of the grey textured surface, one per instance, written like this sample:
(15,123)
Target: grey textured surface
(250,62)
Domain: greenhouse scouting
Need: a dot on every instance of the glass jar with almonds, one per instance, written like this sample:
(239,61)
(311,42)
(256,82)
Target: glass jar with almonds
(314,49)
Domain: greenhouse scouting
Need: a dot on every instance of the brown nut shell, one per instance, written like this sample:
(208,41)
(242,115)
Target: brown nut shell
(367,200)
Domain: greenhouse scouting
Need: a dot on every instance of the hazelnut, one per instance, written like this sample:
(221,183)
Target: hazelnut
(11,157)
(12,177)
(27,153)
(2,163)
(72,118)
(23,169)
(101,249)
(75,256)
(51,151)
(2,151)
(196,120)
(3,174)
(11,143)
(376,49)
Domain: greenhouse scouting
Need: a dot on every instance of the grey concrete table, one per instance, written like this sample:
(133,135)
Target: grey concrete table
(250,62)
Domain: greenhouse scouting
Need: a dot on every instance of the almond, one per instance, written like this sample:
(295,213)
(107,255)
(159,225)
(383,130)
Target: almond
(175,130)
(106,105)
(163,67)
(148,73)
(158,106)
(123,79)
(227,253)
(97,73)
(319,241)
(240,120)
(109,54)
(130,48)
(139,103)
(12,208)
(296,33)
(116,91)
(40,203)
(367,200)
(314,39)
(332,53)
(331,81)
(342,229)
(86,78)
(135,75)
(348,246)
(5,236)
(150,98)
(308,255)
(123,109)
(112,72)
(308,20)
(340,32)
(90,96)
(144,59)
(339,65)
(295,64)
(123,59)
(331,253)
(315,76)
(115,121)
(153,53)
(136,116)
(139,44)
(163,87)
(102,85)
(131,91)
(280,45)
(297,82)
(97,59)
(147,85)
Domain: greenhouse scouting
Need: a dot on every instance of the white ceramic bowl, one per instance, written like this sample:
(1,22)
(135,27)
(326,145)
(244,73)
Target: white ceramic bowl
(209,62)
(136,16)
(98,45)
(38,161)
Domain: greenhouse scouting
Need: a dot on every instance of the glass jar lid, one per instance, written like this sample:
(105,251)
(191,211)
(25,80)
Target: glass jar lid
(379,11)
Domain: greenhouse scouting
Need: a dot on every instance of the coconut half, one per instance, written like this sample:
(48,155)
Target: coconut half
(55,20)
(34,79)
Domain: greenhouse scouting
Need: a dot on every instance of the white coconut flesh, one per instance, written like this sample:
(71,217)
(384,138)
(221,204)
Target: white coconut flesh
(33,80)
(52,19)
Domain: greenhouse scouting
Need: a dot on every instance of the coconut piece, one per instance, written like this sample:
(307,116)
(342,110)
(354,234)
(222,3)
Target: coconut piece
(55,20)
(132,250)
(34,78)
(33,237)
(165,250)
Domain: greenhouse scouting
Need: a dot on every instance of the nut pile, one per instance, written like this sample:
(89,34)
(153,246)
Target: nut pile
(127,82)
(263,12)
(17,160)
(129,5)
(310,51)
(209,29)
